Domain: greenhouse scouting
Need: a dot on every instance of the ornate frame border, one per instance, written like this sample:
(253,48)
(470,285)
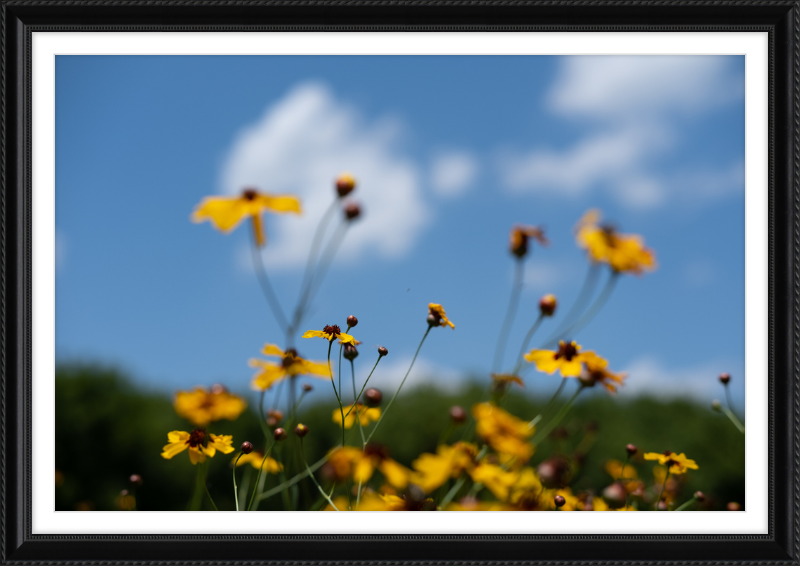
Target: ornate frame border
(20,18)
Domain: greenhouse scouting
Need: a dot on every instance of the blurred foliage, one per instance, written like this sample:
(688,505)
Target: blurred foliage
(108,429)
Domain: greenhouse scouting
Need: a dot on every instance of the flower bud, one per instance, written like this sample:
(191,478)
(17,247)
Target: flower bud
(615,495)
(124,492)
(301,430)
(307,387)
(458,414)
(136,480)
(382,351)
(554,472)
(434,319)
(716,406)
(345,184)
(662,506)
(247,447)
(350,352)
(279,434)
(700,496)
(547,305)
(733,506)
(218,388)
(559,501)
(352,211)
(373,397)
(352,321)
(724,378)
(631,449)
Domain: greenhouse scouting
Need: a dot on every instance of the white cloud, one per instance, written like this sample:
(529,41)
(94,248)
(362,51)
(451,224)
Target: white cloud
(299,146)
(630,104)
(453,172)
(649,376)
(389,375)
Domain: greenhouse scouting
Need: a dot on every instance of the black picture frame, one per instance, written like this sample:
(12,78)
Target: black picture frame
(781,19)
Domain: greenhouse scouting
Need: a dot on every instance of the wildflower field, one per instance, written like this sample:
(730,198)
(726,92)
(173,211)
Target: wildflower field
(491,447)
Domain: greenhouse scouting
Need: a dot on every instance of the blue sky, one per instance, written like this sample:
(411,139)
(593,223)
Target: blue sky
(449,152)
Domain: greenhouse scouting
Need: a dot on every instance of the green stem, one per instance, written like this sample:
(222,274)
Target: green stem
(587,317)
(310,474)
(733,419)
(549,405)
(528,336)
(266,288)
(364,386)
(453,491)
(542,434)
(358,418)
(258,477)
(287,506)
(687,504)
(235,489)
(205,485)
(511,311)
(414,359)
(299,477)
(660,495)
(325,261)
(585,293)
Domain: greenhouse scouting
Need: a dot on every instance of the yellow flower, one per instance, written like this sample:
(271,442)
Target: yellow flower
(527,491)
(496,479)
(331,333)
(623,252)
(180,440)
(291,364)
(270,465)
(500,381)
(614,469)
(202,406)
(365,415)
(350,462)
(596,372)
(568,359)
(370,501)
(504,432)
(676,463)
(433,470)
(439,317)
(518,239)
(225,213)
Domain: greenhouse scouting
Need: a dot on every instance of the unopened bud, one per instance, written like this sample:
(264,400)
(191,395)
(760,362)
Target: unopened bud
(279,434)
(458,414)
(301,430)
(352,211)
(307,387)
(700,496)
(382,351)
(631,449)
(615,495)
(547,305)
(724,378)
(350,352)
(434,319)
(559,501)
(352,321)
(247,447)
(345,184)
(136,480)
(373,397)
(124,492)
(662,506)
(218,388)
(733,506)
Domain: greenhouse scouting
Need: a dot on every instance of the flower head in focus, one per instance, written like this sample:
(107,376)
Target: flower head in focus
(675,463)
(624,253)
(199,443)
(437,316)
(519,236)
(203,406)
(568,359)
(225,213)
(331,333)
(291,364)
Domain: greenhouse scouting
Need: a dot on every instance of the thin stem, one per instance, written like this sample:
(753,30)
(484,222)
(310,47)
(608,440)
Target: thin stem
(734,419)
(598,304)
(358,418)
(235,489)
(365,385)
(285,493)
(310,474)
(549,405)
(205,485)
(389,405)
(322,268)
(258,477)
(687,504)
(660,495)
(341,409)
(453,491)
(266,288)
(580,303)
(542,434)
(511,311)
(528,336)
(288,483)
(276,400)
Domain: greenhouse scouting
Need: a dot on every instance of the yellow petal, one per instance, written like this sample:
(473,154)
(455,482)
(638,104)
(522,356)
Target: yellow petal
(314,368)
(315,334)
(225,213)
(195,456)
(223,443)
(345,338)
(363,470)
(171,450)
(395,474)
(571,368)
(280,203)
(268,376)
(272,350)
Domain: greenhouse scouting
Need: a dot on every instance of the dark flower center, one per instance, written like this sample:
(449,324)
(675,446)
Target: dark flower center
(333,330)
(566,351)
(289,358)
(379,450)
(249,194)
(196,438)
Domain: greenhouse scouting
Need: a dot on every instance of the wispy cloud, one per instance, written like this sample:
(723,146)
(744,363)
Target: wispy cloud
(628,105)
(425,372)
(300,145)
(453,172)
(650,376)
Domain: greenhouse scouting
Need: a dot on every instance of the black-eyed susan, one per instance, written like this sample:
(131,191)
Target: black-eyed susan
(331,332)
(256,459)
(675,463)
(199,443)
(504,432)
(595,371)
(519,236)
(437,316)
(291,364)
(350,462)
(225,213)
(568,359)
(203,406)
(624,253)
(365,415)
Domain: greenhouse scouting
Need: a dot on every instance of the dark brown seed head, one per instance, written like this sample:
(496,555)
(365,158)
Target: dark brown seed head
(352,321)
(247,447)
(345,184)
(458,414)
(724,378)
(382,351)
(136,480)
(352,211)
(307,387)
(196,437)
(249,194)
(301,430)
(279,434)
(566,351)
(559,501)
(631,449)
(547,305)
(373,397)
(332,329)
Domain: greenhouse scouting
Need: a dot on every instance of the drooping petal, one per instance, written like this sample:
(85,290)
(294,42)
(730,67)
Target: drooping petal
(395,474)
(268,375)
(363,469)
(196,456)
(225,213)
(222,442)
(272,350)
(317,334)
(313,368)
(280,204)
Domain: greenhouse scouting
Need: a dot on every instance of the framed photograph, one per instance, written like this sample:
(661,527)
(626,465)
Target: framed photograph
(502,281)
